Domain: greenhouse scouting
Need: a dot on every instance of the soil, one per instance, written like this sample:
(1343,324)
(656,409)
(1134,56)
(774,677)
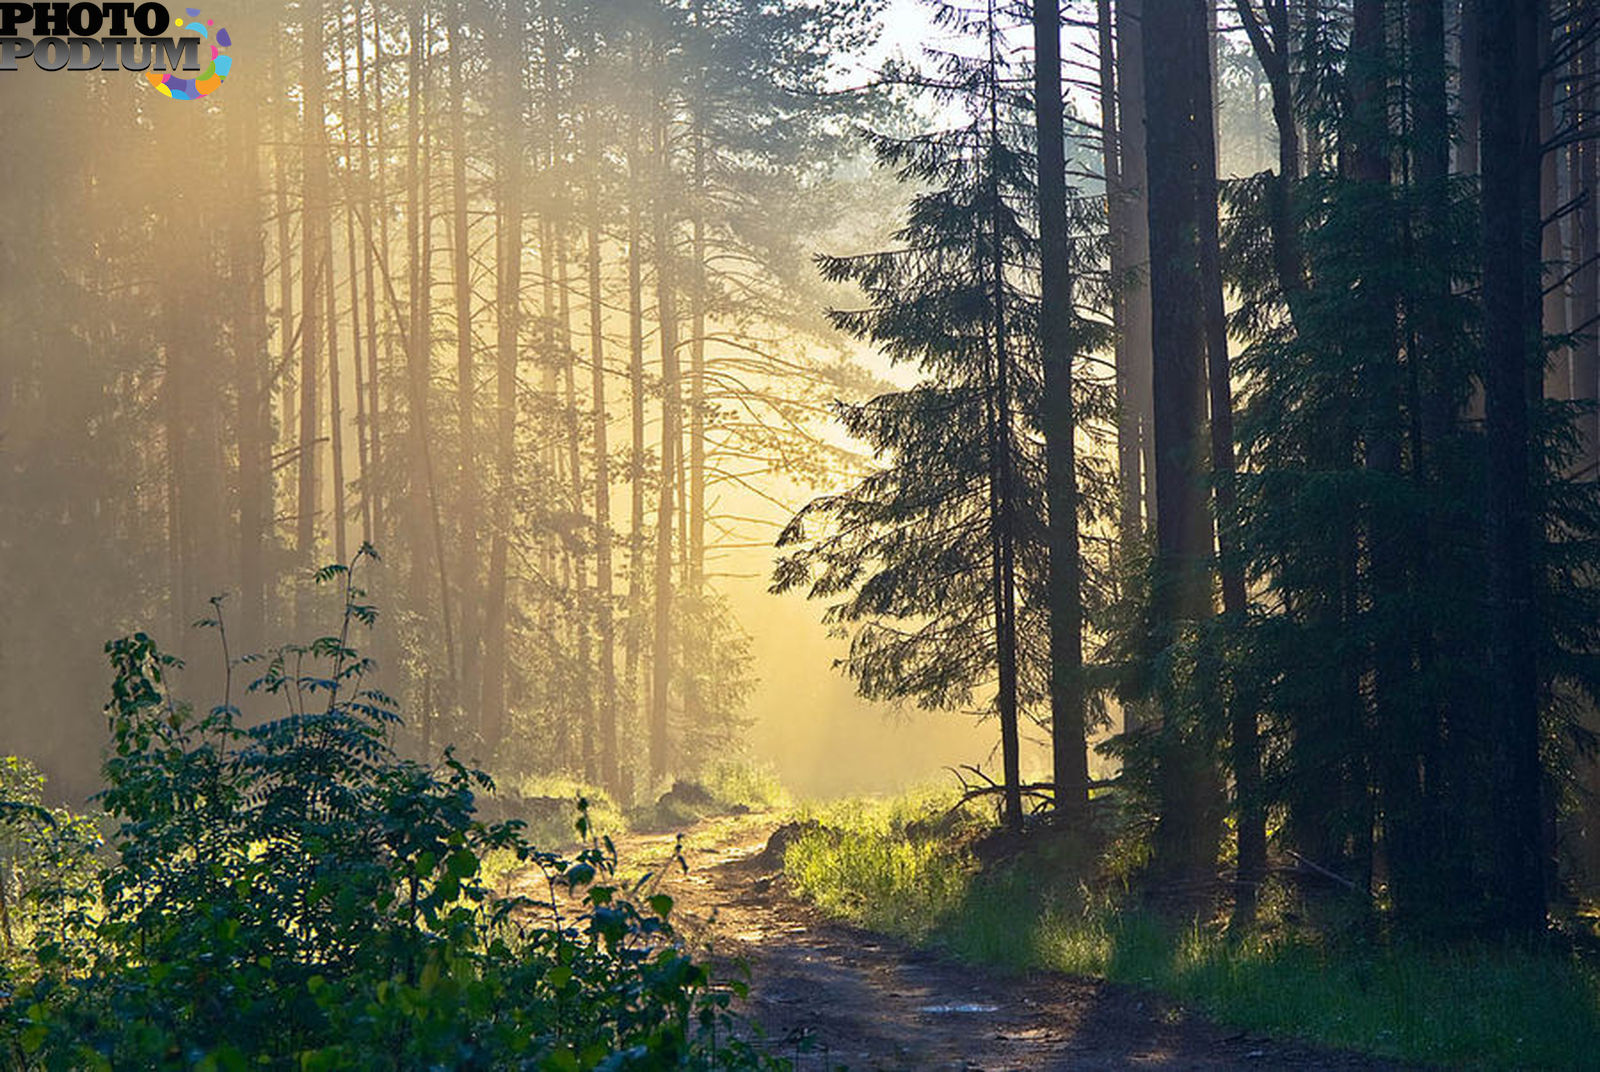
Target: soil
(831,996)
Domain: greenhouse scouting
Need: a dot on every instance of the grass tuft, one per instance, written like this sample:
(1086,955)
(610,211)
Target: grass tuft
(902,867)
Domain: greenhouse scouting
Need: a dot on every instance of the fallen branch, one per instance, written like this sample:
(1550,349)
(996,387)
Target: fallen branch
(1312,865)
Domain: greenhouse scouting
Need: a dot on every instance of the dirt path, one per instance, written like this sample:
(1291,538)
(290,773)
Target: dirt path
(831,996)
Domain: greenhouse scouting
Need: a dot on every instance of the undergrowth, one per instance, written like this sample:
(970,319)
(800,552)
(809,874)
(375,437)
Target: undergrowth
(911,868)
(294,895)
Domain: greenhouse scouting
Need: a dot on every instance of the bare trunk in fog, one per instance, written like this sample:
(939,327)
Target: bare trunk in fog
(671,441)
(335,394)
(375,202)
(349,107)
(634,640)
(1136,443)
(572,429)
(694,508)
(605,624)
(284,374)
(508,326)
(253,432)
(312,212)
(466,410)
(427,539)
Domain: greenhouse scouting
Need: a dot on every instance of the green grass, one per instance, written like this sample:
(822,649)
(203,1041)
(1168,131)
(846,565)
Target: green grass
(875,864)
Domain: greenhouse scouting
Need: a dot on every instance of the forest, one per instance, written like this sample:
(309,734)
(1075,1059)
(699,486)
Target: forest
(549,533)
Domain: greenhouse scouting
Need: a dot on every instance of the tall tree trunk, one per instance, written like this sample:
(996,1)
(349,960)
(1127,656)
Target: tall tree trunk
(1130,514)
(1365,158)
(1472,85)
(466,386)
(349,108)
(671,443)
(694,490)
(1552,250)
(285,376)
(508,326)
(605,624)
(1002,520)
(582,617)
(549,457)
(375,201)
(254,425)
(1242,702)
(634,637)
(335,396)
(1137,397)
(312,270)
(1513,889)
(1585,164)
(347,111)
(1069,735)
(1178,102)
(1413,831)
(427,539)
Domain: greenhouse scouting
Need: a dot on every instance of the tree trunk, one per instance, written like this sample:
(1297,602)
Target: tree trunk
(671,441)
(312,211)
(582,615)
(335,396)
(253,362)
(1513,889)
(605,625)
(1003,520)
(466,386)
(1585,164)
(1471,89)
(1553,250)
(427,537)
(376,202)
(1178,102)
(693,656)
(1069,736)
(1139,470)
(285,377)
(1242,700)
(508,324)
(364,421)
(633,641)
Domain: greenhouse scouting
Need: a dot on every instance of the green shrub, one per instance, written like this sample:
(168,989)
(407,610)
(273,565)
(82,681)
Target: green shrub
(47,865)
(294,895)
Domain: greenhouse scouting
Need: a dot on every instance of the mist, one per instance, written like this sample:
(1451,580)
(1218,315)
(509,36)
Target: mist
(384,303)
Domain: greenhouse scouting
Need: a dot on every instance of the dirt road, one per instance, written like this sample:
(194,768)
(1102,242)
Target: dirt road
(830,996)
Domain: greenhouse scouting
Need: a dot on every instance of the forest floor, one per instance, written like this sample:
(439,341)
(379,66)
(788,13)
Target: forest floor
(828,995)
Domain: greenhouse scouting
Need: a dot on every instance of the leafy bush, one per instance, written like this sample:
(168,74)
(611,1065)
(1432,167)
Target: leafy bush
(294,895)
(47,864)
